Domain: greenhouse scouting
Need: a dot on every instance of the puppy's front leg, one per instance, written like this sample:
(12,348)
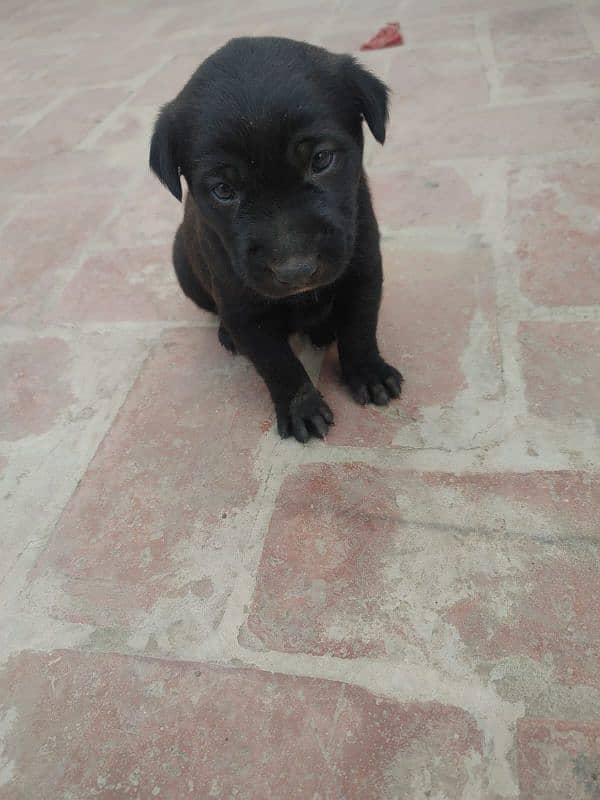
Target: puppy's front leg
(300,408)
(369,377)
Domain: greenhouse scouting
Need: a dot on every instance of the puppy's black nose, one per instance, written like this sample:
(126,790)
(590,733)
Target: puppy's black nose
(295,271)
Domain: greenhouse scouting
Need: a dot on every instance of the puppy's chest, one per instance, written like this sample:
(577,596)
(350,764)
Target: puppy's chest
(311,310)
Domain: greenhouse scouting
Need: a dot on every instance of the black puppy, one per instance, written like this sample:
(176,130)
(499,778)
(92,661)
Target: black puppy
(279,233)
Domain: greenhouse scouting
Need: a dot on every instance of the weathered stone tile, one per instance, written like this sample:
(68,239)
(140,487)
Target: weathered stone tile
(60,395)
(126,285)
(150,541)
(148,214)
(554,224)
(66,125)
(572,77)
(559,759)
(490,132)
(539,33)
(423,196)
(561,370)
(438,29)
(471,574)
(95,64)
(165,84)
(89,724)
(41,241)
(433,78)
(35,388)
(64,173)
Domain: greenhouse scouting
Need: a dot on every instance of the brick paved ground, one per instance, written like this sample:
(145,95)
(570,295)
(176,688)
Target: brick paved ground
(190,607)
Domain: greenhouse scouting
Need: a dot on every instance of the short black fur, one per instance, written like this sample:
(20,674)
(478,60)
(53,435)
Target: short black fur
(279,234)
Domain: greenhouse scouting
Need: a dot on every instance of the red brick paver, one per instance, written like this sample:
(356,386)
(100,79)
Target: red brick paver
(554,214)
(492,131)
(559,760)
(397,565)
(423,196)
(65,126)
(125,284)
(547,78)
(191,608)
(36,391)
(33,264)
(561,369)
(117,727)
(157,520)
(539,33)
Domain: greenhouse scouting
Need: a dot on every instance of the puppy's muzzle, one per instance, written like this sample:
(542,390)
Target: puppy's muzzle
(295,272)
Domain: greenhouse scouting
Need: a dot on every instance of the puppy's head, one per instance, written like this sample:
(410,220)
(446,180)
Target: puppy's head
(268,135)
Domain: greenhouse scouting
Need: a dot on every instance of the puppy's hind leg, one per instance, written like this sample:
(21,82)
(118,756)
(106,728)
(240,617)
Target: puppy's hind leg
(187,280)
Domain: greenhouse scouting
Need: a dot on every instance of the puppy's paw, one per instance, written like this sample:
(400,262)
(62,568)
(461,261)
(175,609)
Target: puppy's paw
(306,415)
(374,381)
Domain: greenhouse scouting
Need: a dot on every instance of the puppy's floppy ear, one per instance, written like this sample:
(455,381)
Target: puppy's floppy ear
(164,159)
(371,98)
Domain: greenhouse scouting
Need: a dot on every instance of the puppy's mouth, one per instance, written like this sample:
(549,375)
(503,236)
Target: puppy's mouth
(292,292)
(278,290)
(299,278)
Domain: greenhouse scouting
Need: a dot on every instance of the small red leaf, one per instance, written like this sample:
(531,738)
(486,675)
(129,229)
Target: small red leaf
(388,36)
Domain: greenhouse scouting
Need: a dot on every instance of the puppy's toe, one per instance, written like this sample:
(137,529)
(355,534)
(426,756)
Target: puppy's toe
(306,415)
(375,382)
(379,394)
(393,383)
(283,425)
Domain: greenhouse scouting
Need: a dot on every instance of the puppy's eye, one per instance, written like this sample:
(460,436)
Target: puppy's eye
(223,192)
(322,160)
